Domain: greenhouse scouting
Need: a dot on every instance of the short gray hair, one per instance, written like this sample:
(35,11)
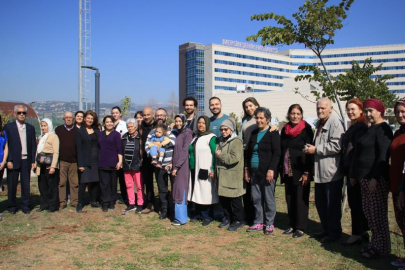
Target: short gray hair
(265,111)
(324,99)
(64,115)
(132,121)
(16,107)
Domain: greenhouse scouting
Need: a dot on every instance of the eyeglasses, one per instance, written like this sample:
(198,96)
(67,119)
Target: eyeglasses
(23,113)
(223,129)
(160,115)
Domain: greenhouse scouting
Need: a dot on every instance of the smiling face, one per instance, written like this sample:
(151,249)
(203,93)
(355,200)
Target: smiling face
(353,112)
(161,115)
(178,123)
(372,115)
(323,109)
(295,116)
(189,107)
(139,118)
(225,131)
(400,114)
(147,115)
(116,114)
(44,127)
(215,106)
(89,120)
(250,108)
(108,124)
(79,118)
(261,121)
(201,125)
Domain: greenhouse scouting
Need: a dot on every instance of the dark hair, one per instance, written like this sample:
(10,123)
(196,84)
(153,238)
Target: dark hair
(214,98)
(138,112)
(116,107)
(163,127)
(161,109)
(249,99)
(294,106)
(265,111)
(1,127)
(95,118)
(192,99)
(76,113)
(358,102)
(108,116)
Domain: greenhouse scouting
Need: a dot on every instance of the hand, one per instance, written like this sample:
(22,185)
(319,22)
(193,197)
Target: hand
(33,166)
(10,165)
(171,126)
(353,181)
(270,176)
(118,166)
(247,175)
(273,128)
(212,175)
(1,165)
(304,179)
(51,170)
(81,169)
(401,201)
(174,173)
(372,186)
(158,145)
(310,149)
(218,153)
(168,167)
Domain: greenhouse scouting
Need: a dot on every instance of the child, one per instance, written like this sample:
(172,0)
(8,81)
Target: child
(159,137)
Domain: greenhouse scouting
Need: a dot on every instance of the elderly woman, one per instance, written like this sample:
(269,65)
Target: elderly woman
(79,118)
(87,159)
(371,159)
(261,161)
(47,167)
(296,167)
(132,152)
(203,187)
(229,168)
(180,168)
(358,127)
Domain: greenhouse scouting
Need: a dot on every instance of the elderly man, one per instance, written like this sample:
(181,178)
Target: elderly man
(21,159)
(67,161)
(327,174)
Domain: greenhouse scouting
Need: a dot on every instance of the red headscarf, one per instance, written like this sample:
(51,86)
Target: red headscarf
(375,104)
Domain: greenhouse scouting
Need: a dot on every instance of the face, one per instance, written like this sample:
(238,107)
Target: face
(68,119)
(400,114)
(131,128)
(21,114)
(148,115)
(323,109)
(159,132)
(178,123)
(108,124)
(225,131)
(372,115)
(261,121)
(116,114)
(44,127)
(201,125)
(161,115)
(215,106)
(89,120)
(353,112)
(139,118)
(189,106)
(295,116)
(250,108)
(79,118)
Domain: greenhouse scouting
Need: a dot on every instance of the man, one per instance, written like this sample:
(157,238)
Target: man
(21,159)
(327,174)
(190,105)
(162,173)
(217,116)
(67,161)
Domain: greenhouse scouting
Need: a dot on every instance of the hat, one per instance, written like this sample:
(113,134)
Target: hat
(375,104)
(229,123)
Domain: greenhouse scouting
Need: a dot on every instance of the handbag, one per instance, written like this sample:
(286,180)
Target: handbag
(44,159)
(203,174)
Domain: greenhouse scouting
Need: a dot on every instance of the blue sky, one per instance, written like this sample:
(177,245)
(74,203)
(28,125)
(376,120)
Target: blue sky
(135,43)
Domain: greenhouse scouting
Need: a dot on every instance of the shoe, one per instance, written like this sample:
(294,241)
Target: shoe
(52,211)
(62,206)
(236,225)
(398,262)
(255,228)
(298,234)
(358,241)
(163,215)
(40,210)
(206,222)
(319,235)
(121,201)
(105,208)
(177,223)
(79,208)
(288,231)
(139,210)
(147,210)
(129,208)
(111,206)
(26,211)
(224,224)
(95,204)
(12,212)
(328,239)
(370,253)
(269,229)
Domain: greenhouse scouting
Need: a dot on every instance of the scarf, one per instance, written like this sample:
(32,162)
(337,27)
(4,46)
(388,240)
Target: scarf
(207,126)
(45,136)
(184,120)
(295,131)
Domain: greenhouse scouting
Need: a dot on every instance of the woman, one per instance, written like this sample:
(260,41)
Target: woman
(131,165)
(358,127)
(371,156)
(119,125)
(261,161)
(139,117)
(203,191)
(79,116)
(109,161)
(48,175)
(3,152)
(296,169)
(229,169)
(180,169)
(87,159)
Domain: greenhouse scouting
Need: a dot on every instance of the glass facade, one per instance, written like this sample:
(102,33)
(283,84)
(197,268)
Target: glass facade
(195,76)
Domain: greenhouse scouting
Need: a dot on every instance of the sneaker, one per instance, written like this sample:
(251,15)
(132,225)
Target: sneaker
(129,208)
(206,222)
(79,208)
(268,230)
(255,228)
(177,223)
(399,262)
(224,224)
(139,209)
(236,225)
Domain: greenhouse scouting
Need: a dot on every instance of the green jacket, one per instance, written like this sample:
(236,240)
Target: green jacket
(229,168)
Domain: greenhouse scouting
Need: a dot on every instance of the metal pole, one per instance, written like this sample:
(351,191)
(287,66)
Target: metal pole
(97,98)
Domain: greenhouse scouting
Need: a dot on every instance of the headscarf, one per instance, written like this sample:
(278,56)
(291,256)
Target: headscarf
(44,137)
(184,120)
(375,104)
(207,126)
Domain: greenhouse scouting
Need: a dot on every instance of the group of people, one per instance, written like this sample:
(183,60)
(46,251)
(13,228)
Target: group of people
(218,166)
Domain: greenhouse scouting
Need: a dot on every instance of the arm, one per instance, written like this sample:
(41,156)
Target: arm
(235,154)
(4,161)
(275,157)
(80,161)
(55,148)
(34,147)
(309,160)
(165,141)
(333,145)
(118,147)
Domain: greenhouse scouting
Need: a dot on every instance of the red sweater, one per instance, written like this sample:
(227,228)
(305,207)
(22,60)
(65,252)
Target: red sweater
(397,150)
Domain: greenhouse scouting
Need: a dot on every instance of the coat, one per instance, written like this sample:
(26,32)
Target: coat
(229,168)
(83,147)
(136,158)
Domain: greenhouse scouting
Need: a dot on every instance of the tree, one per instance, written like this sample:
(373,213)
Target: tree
(4,118)
(125,105)
(152,102)
(173,104)
(315,27)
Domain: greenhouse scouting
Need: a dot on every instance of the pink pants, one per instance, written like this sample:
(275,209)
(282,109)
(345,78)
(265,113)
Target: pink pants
(134,178)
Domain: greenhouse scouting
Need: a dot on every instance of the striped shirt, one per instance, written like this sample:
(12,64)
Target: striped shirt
(169,148)
(129,150)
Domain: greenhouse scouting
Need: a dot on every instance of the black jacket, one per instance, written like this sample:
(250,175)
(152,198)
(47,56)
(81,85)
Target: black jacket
(268,149)
(300,162)
(349,140)
(136,158)
(14,144)
(83,147)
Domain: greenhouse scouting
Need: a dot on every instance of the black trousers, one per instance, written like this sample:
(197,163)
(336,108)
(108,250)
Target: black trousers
(92,187)
(359,221)
(12,181)
(328,201)
(248,205)
(297,198)
(108,186)
(147,175)
(123,186)
(48,189)
(233,208)
(165,197)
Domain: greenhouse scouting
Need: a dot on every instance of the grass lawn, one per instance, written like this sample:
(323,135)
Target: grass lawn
(97,240)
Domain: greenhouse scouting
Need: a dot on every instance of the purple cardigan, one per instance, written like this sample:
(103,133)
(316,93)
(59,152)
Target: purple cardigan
(110,147)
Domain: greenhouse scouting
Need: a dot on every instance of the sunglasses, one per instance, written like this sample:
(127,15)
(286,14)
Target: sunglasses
(23,113)
(223,129)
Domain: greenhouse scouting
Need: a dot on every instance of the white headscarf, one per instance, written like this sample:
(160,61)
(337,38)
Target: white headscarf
(44,137)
